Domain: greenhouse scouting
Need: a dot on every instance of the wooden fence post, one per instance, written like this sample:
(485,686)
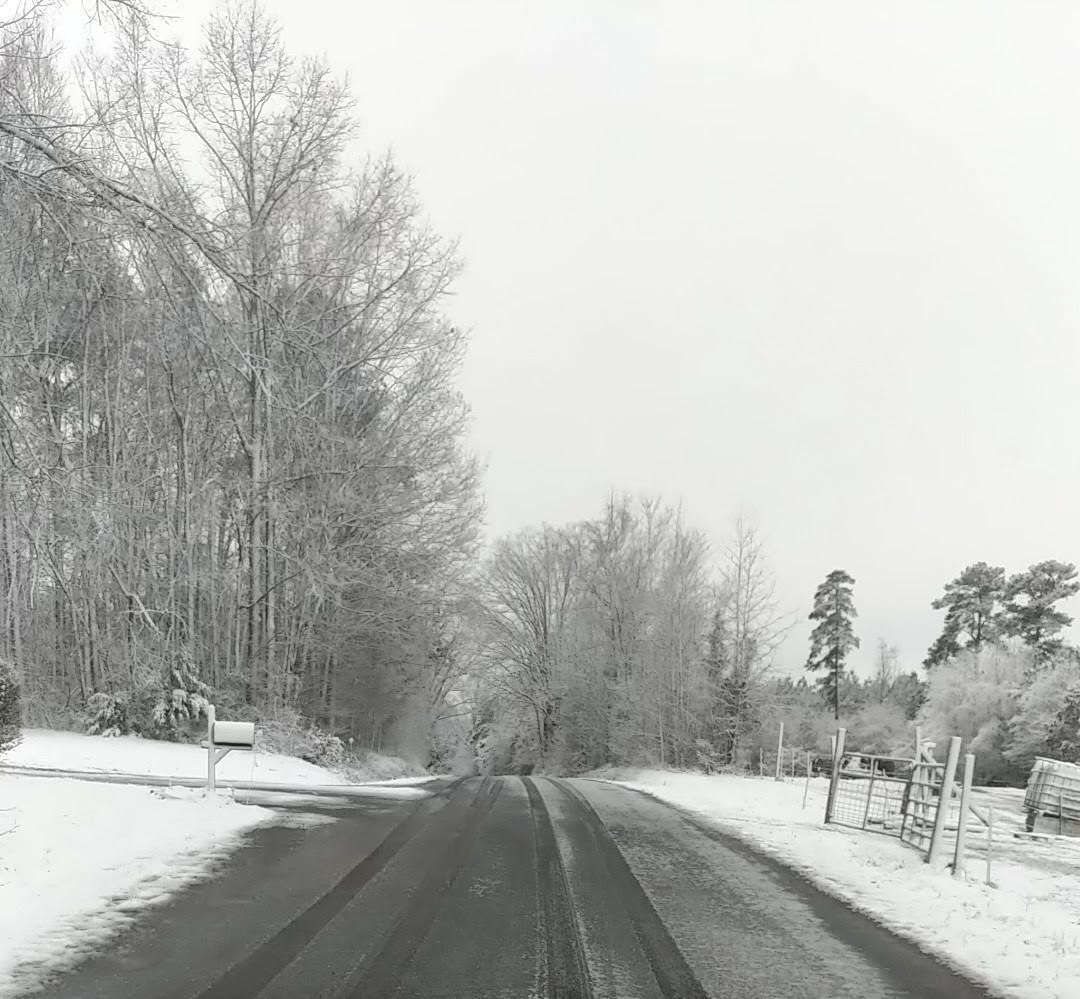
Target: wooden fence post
(780,754)
(965,804)
(834,779)
(944,800)
(806,789)
(211,750)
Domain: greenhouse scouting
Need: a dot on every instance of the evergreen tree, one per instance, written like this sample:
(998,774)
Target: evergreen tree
(1030,612)
(1063,742)
(909,692)
(972,604)
(833,637)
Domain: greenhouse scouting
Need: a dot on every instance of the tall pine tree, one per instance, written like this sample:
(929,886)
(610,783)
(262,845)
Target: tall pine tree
(833,637)
(973,618)
(1030,612)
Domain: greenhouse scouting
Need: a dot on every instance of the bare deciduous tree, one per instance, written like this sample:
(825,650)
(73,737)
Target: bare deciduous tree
(231,436)
(747,629)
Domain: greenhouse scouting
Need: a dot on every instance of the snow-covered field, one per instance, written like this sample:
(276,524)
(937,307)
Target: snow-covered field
(79,859)
(1022,937)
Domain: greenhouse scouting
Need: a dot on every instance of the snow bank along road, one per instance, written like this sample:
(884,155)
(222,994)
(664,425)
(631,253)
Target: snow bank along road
(506,887)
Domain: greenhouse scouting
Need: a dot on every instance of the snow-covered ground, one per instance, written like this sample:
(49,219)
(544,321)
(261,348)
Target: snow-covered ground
(1021,937)
(129,754)
(79,859)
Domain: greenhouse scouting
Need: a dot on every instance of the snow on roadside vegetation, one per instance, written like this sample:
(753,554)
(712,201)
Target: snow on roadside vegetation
(1021,938)
(79,859)
(130,754)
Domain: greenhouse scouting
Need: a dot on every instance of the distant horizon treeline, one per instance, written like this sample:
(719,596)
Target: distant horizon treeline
(621,639)
(629,640)
(1000,674)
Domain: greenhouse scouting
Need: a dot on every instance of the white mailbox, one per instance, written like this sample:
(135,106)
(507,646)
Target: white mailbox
(221,738)
(235,735)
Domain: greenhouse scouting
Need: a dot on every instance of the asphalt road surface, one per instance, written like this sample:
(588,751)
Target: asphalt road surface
(506,887)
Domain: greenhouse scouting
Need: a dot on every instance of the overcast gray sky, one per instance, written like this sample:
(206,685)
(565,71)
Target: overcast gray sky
(816,259)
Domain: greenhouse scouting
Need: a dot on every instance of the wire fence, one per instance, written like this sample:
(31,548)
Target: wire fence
(794,762)
(872,792)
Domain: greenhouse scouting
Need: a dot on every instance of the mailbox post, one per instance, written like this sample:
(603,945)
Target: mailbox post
(221,739)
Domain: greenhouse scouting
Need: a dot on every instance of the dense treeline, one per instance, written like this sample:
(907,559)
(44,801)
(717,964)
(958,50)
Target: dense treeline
(617,640)
(1009,704)
(629,640)
(1001,674)
(230,440)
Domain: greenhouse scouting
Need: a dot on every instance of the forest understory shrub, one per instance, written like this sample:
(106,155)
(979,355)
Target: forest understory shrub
(10,706)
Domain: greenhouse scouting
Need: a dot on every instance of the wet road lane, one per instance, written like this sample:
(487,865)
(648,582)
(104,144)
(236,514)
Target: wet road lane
(506,887)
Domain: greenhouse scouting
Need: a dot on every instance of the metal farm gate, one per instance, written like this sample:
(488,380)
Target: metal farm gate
(887,794)
(922,802)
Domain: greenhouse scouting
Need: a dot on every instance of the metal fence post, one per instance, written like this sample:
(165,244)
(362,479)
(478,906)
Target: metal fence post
(944,799)
(965,804)
(834,779)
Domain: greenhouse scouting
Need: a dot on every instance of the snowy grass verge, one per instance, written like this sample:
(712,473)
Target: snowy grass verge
(130,754)
(78,861)
(1021,938)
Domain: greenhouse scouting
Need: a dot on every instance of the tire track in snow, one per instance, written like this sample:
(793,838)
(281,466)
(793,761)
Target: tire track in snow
(564,973)
(672,972)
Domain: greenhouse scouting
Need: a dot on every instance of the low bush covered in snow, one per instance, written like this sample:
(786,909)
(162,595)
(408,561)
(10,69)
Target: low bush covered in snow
(171,707)
(288,733)
(10,707)
(176,711)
